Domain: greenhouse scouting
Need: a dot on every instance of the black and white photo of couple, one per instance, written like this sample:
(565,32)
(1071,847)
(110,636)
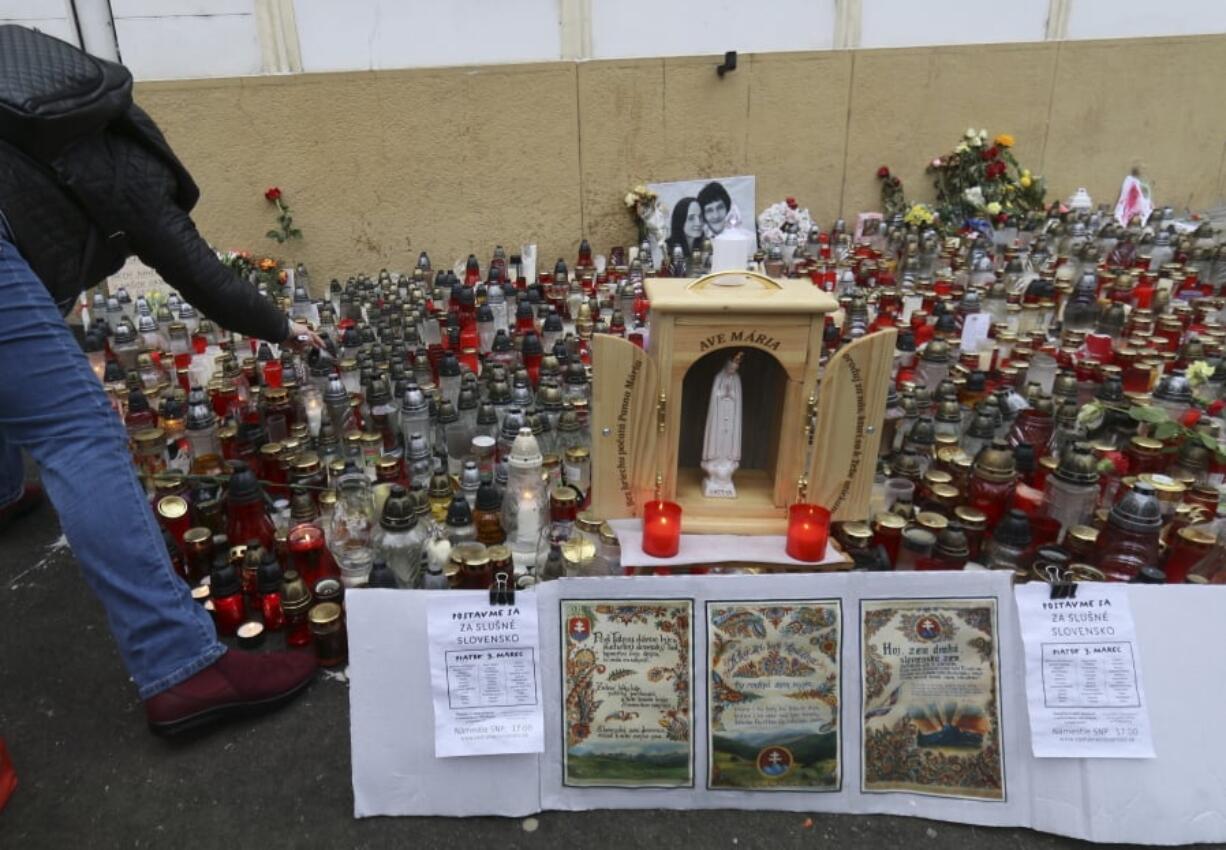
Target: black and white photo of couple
(699,210)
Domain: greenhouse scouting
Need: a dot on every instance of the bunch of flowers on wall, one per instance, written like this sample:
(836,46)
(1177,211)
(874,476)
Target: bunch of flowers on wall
(979,183)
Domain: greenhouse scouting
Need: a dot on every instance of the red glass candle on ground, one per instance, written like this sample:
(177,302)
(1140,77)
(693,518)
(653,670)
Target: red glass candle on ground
(661,528)
(295,605)
(227,600)
(247,519)
(309,554)
(808,531)
(175,517)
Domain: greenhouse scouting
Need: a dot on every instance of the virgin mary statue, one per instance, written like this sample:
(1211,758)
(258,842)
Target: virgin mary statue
(721,445)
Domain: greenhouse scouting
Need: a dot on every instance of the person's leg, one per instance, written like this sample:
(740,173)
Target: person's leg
(52,405)
(12,473)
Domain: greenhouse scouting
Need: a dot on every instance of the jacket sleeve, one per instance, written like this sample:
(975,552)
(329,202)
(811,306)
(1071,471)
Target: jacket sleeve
(170,243)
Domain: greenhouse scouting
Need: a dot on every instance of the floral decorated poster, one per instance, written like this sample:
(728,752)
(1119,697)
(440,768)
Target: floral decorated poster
(626,679)
(931,698)
(773,695)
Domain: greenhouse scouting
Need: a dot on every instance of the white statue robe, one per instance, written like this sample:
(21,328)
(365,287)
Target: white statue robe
(722,440)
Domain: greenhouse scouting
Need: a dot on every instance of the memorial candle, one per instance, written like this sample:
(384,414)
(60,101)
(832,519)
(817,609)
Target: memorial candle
(661,528)
(309,553)
(808,530)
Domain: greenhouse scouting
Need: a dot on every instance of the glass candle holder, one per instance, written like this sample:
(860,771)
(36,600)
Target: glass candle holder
(808,531)
(309,554)
(661,528)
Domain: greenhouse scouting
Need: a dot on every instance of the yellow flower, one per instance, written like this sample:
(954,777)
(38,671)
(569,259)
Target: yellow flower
(918,214)
(1199,372)
(993,208)
(1004,140)
(1009,188)
(1025,172)
(1025,181)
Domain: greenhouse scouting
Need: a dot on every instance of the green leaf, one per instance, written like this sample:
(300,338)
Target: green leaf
(273,234)
(1149,414)
(1210,443)
(1166,430)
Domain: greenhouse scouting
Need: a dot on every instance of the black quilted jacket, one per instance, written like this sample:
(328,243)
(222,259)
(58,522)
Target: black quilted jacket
(141,195)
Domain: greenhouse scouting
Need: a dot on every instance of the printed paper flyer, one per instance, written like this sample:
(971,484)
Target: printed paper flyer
(626,679)
(773,695)
(931,709)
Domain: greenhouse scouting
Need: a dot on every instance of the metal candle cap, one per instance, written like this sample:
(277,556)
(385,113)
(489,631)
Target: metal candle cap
(1013,529)
(525,452)
(923,432)
(949,411)
(1078,465)
(1138,511)
(399,512)
(936,351)
(995,462)
(1174,388)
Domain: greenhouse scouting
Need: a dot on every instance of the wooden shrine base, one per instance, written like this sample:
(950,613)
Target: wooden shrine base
(753,511)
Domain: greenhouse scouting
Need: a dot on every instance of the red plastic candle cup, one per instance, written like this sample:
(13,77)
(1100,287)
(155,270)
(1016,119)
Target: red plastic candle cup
(808,530)
(1098,346)
(1044,530)
(273,372)
(661,529)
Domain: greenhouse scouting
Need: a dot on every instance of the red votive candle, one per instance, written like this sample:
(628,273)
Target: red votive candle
(661,528)
(808,531)
(273,372)
(309,554)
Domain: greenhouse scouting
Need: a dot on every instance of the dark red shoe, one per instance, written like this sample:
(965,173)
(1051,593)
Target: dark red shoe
(31,497)
(239,684)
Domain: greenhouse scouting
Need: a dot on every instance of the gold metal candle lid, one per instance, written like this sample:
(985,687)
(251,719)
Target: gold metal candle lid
(172,507)
(971,517)
(931,520)
(1083,534)
(945,494)
(937,476)
(1196,536)
(325,613)
(149,436)
(889,520)
(589,522)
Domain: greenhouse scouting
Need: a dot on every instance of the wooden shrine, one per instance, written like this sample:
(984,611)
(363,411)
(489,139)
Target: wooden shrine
(649,407)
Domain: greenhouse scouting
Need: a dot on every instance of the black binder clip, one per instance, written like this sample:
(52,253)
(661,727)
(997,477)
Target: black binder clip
(1060,589)
(502,592)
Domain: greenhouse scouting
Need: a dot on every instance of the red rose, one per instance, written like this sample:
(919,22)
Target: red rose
(273,194)
(791,202)
(1217,407)
(1000,219)
(1190,418)
(883,172)
(993,152)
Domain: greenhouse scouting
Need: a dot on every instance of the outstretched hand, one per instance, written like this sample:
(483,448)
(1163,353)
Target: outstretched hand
(302,337)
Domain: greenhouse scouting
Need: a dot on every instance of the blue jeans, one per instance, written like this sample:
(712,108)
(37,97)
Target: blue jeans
(52,405)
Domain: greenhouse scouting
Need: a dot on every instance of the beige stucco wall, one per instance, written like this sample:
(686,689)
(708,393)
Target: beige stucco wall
(378,165)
